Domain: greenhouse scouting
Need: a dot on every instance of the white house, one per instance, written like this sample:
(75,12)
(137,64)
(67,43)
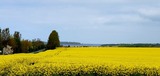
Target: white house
(7,50)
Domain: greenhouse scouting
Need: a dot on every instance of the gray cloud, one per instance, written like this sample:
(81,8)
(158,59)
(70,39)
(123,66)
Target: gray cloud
(152,14)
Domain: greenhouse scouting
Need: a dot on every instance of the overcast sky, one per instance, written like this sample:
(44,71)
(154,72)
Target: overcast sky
(85,21)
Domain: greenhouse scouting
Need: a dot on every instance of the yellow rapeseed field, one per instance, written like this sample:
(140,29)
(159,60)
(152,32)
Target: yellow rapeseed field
(80,61)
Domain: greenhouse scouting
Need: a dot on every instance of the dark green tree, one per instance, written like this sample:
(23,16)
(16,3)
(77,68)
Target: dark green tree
(37,44)
(1,39)
(53,40)
(17,38)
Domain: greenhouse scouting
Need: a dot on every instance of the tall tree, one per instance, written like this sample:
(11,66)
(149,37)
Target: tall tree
(5,36)
(17,37)
(53,40)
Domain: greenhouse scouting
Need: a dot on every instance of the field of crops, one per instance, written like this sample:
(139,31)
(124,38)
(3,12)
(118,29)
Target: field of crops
(90,61)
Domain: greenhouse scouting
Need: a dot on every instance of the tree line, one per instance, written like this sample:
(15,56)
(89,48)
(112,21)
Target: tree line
(19,45)
(23,45)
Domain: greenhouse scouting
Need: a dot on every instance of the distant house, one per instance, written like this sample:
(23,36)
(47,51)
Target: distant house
(7,50)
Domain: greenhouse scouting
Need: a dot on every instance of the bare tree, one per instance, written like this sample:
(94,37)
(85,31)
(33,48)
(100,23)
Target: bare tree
(5,36)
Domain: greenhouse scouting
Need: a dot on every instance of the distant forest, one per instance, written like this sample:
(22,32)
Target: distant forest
(132,45)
